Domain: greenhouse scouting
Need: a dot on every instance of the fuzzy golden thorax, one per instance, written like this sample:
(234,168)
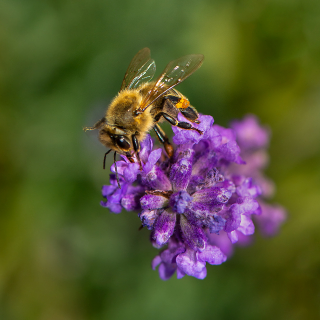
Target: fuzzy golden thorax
(121,114)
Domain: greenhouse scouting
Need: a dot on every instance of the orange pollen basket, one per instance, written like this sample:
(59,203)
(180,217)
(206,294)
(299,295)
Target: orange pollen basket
(183,103)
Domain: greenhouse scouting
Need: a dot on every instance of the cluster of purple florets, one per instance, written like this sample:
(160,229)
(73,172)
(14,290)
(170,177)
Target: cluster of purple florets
(202,201)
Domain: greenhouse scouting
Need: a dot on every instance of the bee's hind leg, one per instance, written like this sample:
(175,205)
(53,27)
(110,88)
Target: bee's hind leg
(184,106)
(164,140)
(179,124)
(191,114)
(136,148)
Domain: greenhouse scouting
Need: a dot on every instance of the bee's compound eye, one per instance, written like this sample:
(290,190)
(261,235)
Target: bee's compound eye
(123,143)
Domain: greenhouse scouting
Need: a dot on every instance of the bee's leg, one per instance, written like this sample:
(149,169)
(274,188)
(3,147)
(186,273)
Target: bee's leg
(96,126)
(115,166)
(164,140)
(191,114)
(104,158)
(179,124)
(136,148)
(184,106)
(129,156)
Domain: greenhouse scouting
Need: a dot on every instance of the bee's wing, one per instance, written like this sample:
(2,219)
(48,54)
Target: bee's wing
(141,69)
(174,73)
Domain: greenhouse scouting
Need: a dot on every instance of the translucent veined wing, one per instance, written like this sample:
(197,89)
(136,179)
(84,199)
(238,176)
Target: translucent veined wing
(174,73)
(141,69)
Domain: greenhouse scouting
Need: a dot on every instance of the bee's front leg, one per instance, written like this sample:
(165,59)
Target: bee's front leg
(115,166)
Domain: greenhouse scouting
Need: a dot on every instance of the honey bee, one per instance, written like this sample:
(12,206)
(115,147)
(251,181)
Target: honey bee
(140,105)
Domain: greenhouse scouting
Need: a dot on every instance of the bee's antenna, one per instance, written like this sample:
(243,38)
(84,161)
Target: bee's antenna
(104,158)
(115,165)
(97,125)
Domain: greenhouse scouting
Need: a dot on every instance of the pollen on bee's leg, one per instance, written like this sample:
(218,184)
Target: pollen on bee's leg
(183,104)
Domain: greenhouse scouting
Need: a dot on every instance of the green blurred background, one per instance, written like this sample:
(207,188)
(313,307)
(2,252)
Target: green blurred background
(62,256)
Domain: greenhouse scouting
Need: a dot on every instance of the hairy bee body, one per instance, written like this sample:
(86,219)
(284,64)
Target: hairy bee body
(122,111)
(140,105)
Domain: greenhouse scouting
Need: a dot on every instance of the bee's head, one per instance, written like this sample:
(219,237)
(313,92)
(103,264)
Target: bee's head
(115,138)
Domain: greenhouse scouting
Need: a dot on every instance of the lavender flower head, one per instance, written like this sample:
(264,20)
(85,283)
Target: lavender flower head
(205,199)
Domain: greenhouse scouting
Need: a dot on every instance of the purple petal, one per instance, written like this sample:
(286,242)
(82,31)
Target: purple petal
(167,260)
(212,177)
(179,201)
(226,134)
(215,223)
(214,137)
(166,271)
(113,207)
(248,189)
(187,262)
(233,217)
(148,217)
(180,172)
(266,185)
(114,181)
(116,196)
(129,171)
(205,125)
(180,274)
(151,202)
(145,148)
(250,134)
(174,248)
(194,236)
(164,227)
(271,218)
(233,236)
(229,149)
(113,199)
(131,202)
(247,205)
(212,255)
(222,241)
(156,179)
(212,196)
(155,262)
(246,225)
(152,160)
(121,166)
(107,190)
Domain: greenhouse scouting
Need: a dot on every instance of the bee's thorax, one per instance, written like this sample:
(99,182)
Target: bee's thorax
(122,113)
